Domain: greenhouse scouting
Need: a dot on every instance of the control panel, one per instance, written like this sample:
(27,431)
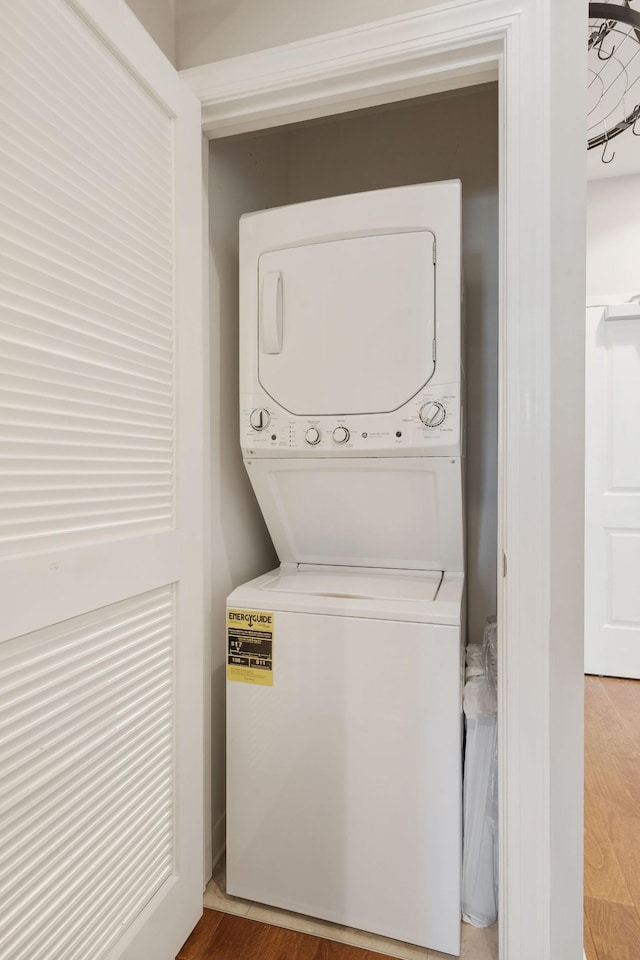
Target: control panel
(430,424)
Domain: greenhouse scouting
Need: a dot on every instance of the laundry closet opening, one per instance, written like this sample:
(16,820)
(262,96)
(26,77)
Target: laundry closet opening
(446,136)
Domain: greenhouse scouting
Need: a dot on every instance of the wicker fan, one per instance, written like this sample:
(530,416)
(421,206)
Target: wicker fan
(614,71)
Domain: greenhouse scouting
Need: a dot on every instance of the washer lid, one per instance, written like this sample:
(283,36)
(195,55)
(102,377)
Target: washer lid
(347,326)
(397,513)
(356,584)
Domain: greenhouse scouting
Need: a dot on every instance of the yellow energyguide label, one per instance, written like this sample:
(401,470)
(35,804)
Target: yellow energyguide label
(250,646)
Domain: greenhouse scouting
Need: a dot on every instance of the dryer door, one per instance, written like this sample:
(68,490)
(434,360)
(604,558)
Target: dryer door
(347,326)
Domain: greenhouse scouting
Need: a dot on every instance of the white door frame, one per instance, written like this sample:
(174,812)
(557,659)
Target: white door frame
(539,56)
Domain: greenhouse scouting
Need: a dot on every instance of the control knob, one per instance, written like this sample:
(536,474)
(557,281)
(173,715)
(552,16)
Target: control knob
(341,434)
(432,413)
(260,419)
(312,436)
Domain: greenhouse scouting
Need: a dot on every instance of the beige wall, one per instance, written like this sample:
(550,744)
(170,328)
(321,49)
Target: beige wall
(158,17)
(243,176)
(210,30)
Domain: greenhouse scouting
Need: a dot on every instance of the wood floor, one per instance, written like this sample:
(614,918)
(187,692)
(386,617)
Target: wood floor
(221,936)
(612,819)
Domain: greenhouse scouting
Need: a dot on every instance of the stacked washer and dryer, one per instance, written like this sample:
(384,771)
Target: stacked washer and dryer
(344,664)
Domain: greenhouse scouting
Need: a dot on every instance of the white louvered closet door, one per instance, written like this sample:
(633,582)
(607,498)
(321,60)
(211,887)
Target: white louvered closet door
(101,493)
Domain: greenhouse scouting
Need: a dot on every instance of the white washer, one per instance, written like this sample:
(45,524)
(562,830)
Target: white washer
(345,664)
(344,777)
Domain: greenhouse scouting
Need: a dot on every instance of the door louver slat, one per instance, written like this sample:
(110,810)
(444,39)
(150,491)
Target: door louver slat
(86,749)
(86,300)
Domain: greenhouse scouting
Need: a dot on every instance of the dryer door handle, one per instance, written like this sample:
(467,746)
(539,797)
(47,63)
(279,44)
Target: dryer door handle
(271,312)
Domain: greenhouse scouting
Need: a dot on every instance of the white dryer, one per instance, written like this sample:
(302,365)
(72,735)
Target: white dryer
(345,664)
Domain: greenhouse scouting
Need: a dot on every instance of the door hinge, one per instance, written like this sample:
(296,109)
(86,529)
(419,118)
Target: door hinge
(504,564)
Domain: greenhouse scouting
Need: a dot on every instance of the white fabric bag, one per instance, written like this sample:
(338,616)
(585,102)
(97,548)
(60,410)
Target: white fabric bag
(480,796)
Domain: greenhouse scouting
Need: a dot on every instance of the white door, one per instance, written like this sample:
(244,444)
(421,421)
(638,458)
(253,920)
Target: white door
(612,502)
(100,489)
